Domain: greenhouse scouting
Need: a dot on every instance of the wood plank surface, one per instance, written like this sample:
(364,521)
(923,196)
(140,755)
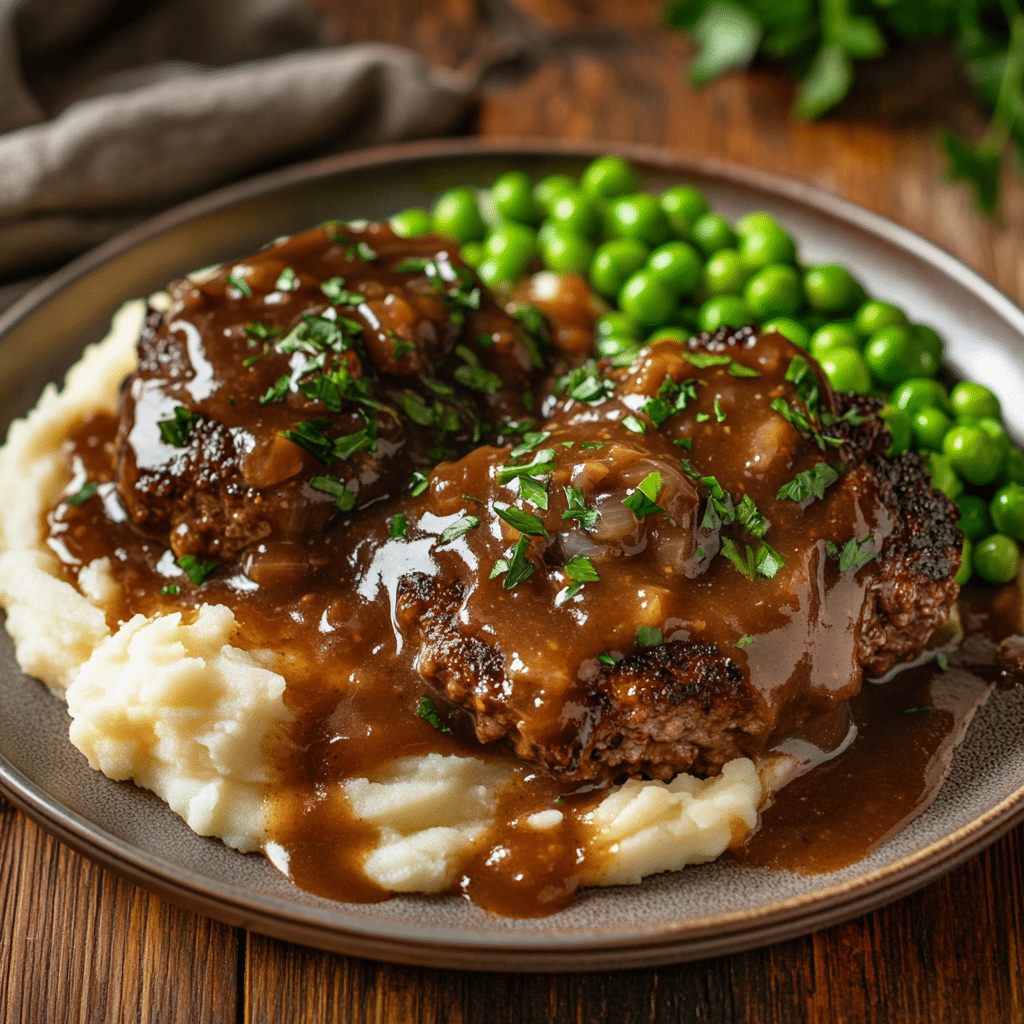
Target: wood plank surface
(78,944)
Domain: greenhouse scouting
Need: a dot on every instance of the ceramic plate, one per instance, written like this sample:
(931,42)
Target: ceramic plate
(700,912)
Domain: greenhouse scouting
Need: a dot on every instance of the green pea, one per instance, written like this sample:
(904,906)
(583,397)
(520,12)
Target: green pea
(997,558)
(647,299)
(833,336)
(898,423)
(637,216)
(757,220)
(915,393)
(413,221)
(1012,468)
(831,288)
(711,233)
(614,261)
(609,176)
(683,205)
(473,253)
(672,333)
(611,345)
(788,328)
(565,252)
(616,322)
(774,290)
(679,265)
(973,454)
(490,271)
(975,521)
(764,244)
(516,243)
(512,195)
(846,370)
(457,214)
(874,314)
(1007,511)
(891,355)
(723,311)
(548,189)
(929,340)
(972,401)
(966,570)
(724,273)
(576,212)
(930,426)
(944,476)
(995,430)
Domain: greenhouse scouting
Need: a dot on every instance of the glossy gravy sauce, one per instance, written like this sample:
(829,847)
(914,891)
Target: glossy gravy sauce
(327,603)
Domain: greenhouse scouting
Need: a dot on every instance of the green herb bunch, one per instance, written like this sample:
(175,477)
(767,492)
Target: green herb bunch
(821,40)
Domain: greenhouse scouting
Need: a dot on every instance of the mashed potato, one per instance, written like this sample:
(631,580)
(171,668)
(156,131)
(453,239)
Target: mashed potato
(172,704)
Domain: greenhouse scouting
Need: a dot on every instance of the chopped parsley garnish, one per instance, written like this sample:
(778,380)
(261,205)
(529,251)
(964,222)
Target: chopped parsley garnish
(766,562)
(524,522)
(799,421)
(457,529)
(171,588)
(585,384)
(914,711)
(287,281)
(517,567)
(648,636)
(634,425)
(580,569)
(277,390)
(365,252)
(413,265)
(747,514)
(534,491)
(240,284)
(720,510)
(593,445)
(810,482)
(605,658)
(702,417)
(688,469)
(176,431)
(338,295)
(942,660)
(536,328)
(587,517)
(426,710)
(683,442)
(194,569)
(702,360)
(397,526)
(87,490)
(542,465)
(530,441)
(739,370)
(484,340)
(719,415)
(344,499)
(744,641)
(255,332)
(642,502)
(473,375)
(852,555)
(309,435)
(418,483)
(479,501)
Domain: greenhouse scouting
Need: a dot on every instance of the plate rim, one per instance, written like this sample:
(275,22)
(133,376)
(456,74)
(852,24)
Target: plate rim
(433,945)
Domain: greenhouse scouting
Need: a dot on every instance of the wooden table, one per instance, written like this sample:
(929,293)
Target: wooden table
(79,944)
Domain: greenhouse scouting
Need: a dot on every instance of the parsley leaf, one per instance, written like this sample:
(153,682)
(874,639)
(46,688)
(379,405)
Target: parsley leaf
(542,465)
(739,370)
(580,568)
(587,517)
(345,500)
(171,588)
(240,284)
(648,636)
(194,569)
(287,281)
(457,529)
(642,501)
(426,710)
(534,491)
(720,510)
(744,641)
(524,522)
(397,526)
(176,431)
(852,555)
(702,360)
(338,295)
(585,384)
(516,568)
(530,441)
(810,482)
(632,424)
(85,492)
(473,375)
(277,390)
(747,514)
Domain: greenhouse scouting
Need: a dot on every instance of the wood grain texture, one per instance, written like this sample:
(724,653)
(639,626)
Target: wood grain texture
(78,944)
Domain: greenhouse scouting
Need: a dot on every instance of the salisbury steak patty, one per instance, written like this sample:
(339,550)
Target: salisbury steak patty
(698,554)
(312,377)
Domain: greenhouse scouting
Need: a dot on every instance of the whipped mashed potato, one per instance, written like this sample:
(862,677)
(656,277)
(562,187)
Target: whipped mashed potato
(173,704)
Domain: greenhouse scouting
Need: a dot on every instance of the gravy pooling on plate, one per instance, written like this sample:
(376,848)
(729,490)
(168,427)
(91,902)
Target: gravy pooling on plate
(611,571)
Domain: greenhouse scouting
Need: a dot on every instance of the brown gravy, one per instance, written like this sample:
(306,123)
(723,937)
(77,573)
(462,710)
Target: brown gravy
(354,688)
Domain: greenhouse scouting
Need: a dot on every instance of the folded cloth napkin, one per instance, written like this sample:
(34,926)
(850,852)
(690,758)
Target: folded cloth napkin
(102,127)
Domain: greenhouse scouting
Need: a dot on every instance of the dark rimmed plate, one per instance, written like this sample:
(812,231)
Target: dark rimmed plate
(701,912)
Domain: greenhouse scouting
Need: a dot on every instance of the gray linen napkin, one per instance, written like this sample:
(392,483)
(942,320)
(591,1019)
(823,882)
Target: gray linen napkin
(190,94)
